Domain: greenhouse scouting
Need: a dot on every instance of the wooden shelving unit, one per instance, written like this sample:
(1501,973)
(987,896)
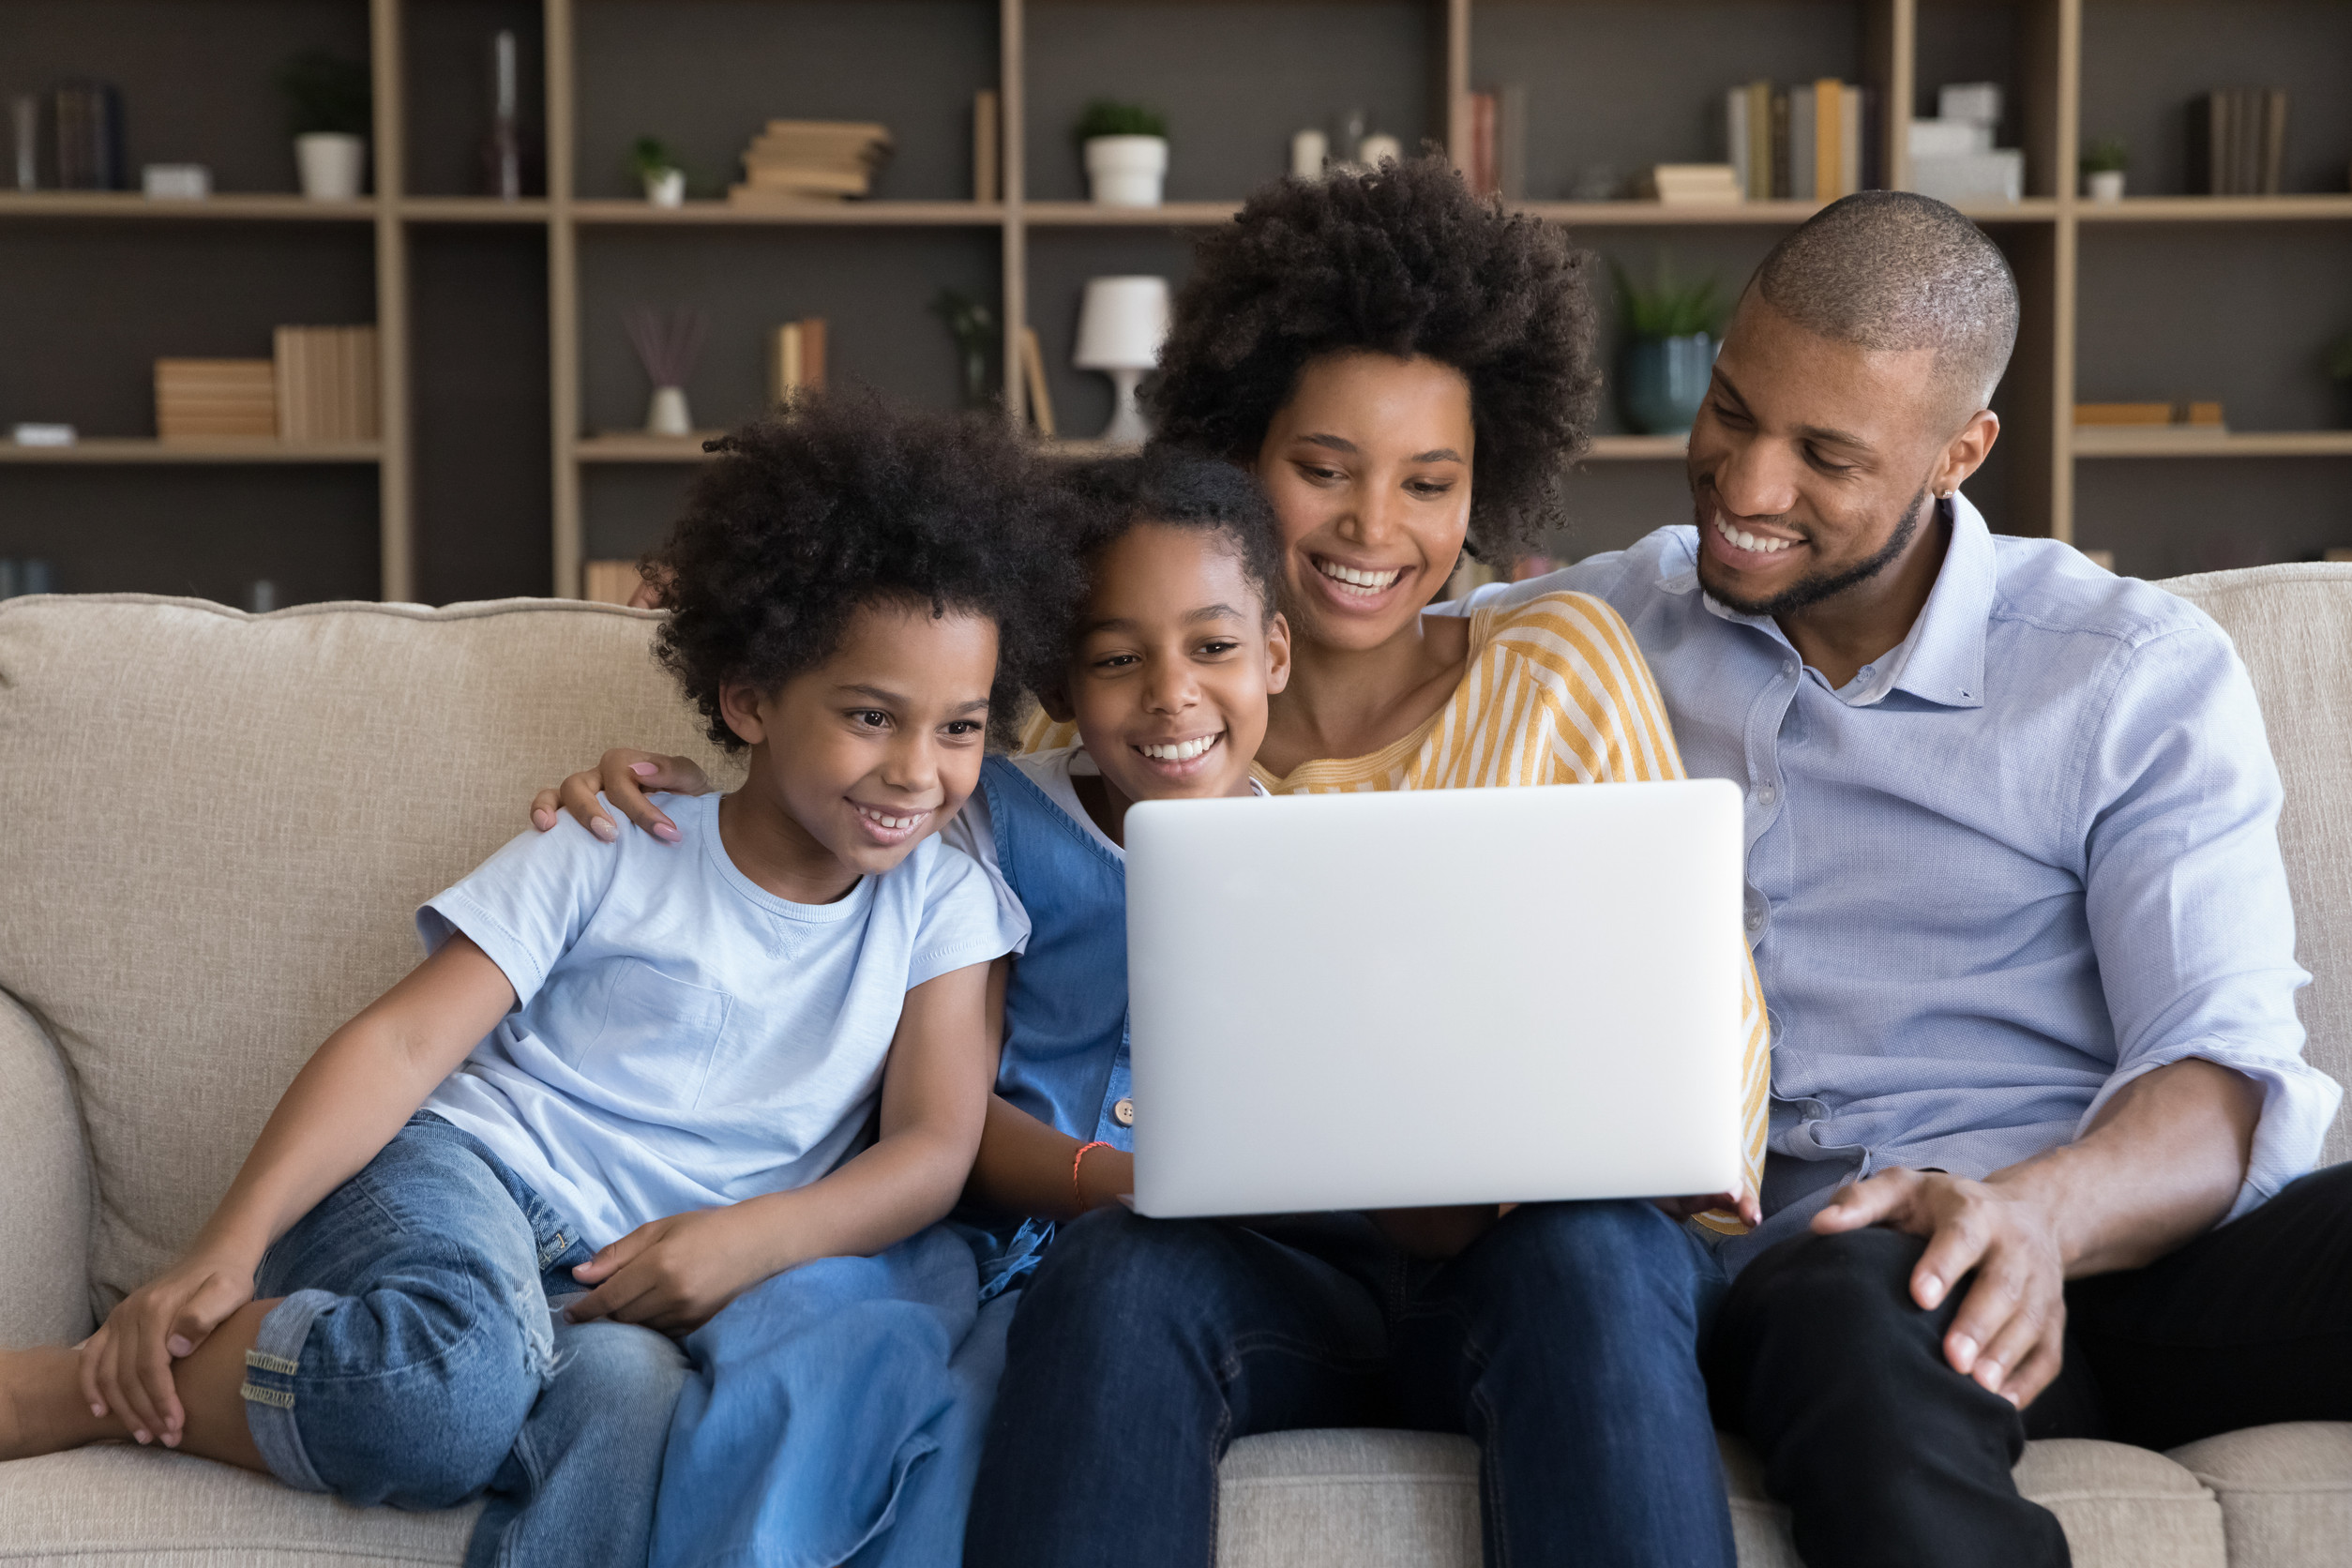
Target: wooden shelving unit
(583,249)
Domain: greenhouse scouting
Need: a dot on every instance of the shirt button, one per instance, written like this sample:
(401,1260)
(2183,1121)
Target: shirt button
(1755,919)
(1788,666)
(1123,1113)
(1765,793)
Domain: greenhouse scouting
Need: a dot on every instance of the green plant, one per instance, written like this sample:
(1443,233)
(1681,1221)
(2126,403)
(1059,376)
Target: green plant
(326,93)
(650,158)
(2106,156)
(2340,358)
(972,325)
(1109,117)
(1666,309)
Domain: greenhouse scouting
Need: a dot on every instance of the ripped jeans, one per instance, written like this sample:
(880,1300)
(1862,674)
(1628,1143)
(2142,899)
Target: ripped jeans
(414,1361)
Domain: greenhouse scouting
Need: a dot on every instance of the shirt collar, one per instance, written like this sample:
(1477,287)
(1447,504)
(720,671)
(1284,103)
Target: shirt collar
(1942,658)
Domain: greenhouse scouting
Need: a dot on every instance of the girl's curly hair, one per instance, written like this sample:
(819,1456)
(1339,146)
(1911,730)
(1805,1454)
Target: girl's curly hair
(841,502)
(1402,259)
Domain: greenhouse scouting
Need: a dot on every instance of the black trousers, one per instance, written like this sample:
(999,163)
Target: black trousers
(1885,1454)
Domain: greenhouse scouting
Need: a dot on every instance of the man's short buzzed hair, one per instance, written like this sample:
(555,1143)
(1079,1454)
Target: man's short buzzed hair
(1891,269)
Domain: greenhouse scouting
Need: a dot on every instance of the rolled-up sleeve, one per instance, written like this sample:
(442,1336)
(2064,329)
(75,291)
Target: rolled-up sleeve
(2186,894)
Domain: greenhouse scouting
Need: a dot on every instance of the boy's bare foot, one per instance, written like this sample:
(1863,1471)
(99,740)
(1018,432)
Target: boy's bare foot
(41,1407)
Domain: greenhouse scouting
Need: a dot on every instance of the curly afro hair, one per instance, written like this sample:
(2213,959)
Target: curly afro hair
(841,502)
(1176,489)
(1402,259)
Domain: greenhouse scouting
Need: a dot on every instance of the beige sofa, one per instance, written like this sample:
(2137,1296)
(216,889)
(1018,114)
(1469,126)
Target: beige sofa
(218,824)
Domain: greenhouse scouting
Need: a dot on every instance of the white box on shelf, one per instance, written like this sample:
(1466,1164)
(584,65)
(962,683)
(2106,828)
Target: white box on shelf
(1977,101)
(43,435)
(1949,138)
(1961,178)
(179,182)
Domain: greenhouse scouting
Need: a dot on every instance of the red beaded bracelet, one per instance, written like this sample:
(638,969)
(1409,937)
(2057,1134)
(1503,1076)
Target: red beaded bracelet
(1079,1158)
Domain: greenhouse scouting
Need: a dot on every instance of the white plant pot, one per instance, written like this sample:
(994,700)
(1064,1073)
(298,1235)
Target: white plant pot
(1126,170)
(666,189)
(2104,185)
(666,413)
(334,166)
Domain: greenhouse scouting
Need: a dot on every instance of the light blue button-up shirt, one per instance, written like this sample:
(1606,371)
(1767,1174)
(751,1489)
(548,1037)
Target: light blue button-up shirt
(2024,857)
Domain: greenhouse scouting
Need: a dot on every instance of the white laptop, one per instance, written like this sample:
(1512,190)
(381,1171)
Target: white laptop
(1440,996)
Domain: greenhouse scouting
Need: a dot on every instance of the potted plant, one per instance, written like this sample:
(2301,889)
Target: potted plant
(330,105)
(2103,170)
(1125,148)
(1667,350)
(652,161)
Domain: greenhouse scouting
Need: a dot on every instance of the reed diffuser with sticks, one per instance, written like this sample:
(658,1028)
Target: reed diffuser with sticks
(668,343)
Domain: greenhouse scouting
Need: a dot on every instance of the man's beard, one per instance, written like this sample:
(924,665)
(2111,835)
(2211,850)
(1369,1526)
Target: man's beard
(1808,591)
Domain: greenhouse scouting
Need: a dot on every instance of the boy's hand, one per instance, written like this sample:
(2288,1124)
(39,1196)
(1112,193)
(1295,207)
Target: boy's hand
(672,1275)
(625,777)
(126,1366)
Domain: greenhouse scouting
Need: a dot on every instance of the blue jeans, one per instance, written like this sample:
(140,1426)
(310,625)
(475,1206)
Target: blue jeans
(1564,1341)
(835,1416)
(414,1361)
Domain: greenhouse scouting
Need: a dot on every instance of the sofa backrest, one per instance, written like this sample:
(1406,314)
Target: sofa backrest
(221,824)
(2293,627)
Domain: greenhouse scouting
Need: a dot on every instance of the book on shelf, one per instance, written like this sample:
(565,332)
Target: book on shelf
(208,400)
(1479,170)
(987,143)
(2238,141)
(796,359)
(85,137)
(1033,377)
(1692,184)
(1815,142)
(806,160)
(327,384)
(2204,417)
(609,581)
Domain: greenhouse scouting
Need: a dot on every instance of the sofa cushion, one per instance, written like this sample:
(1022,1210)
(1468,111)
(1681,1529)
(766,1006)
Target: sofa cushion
(2285,1492)
(2293,627)
(119,1505)
(222,823)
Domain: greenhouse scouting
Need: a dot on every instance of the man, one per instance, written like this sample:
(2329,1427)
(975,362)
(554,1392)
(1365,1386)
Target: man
(2014,891)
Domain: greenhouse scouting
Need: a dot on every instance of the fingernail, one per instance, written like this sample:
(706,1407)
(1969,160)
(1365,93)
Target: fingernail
(2015,1402)
(1932,1290)
(603,830)
(142,1435)
(1989,1374)
(664,831)
(98,1409)
(542,818)
(179,1347)
(1964,1351)
(643,770)
(171,1440)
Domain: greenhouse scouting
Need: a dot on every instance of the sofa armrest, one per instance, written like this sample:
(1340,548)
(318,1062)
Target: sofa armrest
(44,1190)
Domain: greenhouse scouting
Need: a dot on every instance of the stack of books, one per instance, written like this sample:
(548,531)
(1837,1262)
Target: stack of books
(1692,184)
(2238,141)
(796,359)
(1814,143)
(811,160)
(85,137)
(213,399)
(1495,163)
(327,384)
(610,581)
(2156,422)
(1953,156)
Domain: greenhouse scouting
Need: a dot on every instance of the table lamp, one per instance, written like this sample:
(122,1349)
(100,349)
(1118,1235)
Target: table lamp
(1119,329)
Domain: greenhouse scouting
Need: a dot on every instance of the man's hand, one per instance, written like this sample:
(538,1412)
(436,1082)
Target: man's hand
(126,1365)
(673,1274)
(2010,1333)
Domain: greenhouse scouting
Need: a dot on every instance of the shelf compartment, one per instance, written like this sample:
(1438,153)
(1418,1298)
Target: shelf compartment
(146,449)
(2158,441)
(2215,210)
(1168,215)
(1657,215)
(266,207)
(937,215)
(637,446)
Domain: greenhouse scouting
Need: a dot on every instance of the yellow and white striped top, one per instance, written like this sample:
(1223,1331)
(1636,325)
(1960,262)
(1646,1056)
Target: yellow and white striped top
(1555,692)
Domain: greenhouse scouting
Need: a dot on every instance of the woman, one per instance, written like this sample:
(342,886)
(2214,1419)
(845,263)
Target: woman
(1369,346)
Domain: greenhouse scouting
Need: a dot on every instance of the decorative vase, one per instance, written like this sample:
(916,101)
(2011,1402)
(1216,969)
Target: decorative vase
(1662,380)
(334,166)
(1126,170)
(2106,185)
(666,189)
(666,413)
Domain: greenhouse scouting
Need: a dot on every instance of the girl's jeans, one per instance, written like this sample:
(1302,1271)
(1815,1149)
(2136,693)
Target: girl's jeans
(414,1361)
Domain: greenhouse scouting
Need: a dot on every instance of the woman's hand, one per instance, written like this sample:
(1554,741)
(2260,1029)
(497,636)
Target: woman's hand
(673,1274)
(126,1366)
(624,776)
(1744,1205)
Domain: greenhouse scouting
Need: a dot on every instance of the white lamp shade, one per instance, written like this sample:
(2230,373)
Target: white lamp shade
(1122,323)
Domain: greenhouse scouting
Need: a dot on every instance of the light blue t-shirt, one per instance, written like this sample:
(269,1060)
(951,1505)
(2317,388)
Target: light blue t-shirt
(683,1038)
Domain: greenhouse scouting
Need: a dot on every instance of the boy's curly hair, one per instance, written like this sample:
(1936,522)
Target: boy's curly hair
(1402,259)
(839,502)
(1176,489)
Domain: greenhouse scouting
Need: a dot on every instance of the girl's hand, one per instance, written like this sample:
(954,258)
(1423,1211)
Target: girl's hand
(1744,1205)
(672,1275)
(126,1366)
(624,776)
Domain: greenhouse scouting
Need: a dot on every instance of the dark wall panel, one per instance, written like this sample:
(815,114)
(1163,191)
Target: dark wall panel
(452,88)
(626,507)
(2166,517)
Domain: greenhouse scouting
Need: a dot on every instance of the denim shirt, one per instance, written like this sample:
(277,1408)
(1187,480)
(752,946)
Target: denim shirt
(1065,1008)
(2023,858)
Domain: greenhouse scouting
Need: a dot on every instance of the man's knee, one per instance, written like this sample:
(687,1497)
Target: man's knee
(1834,1287)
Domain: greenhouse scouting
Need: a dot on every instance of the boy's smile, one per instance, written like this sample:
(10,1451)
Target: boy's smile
(1175,658)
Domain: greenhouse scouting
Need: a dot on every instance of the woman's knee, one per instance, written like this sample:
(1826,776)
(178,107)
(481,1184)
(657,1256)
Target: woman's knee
(1621,1257)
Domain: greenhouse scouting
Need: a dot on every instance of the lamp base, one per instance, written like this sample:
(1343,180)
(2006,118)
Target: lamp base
(1126,427)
